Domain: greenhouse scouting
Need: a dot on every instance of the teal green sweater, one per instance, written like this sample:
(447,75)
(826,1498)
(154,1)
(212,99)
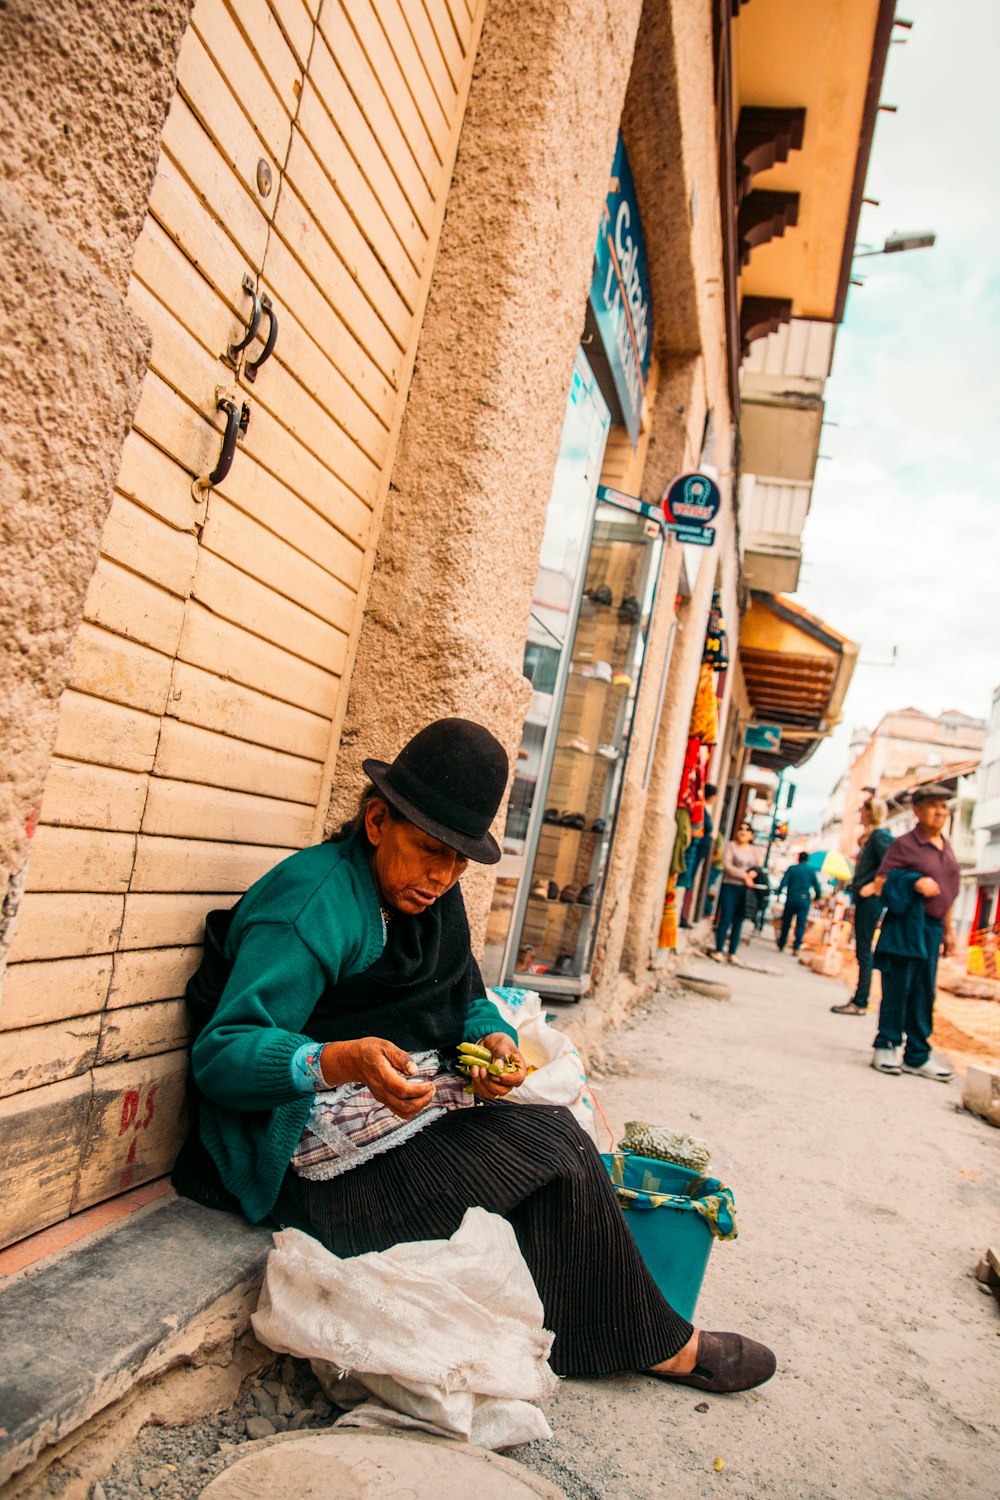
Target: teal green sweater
(311,921)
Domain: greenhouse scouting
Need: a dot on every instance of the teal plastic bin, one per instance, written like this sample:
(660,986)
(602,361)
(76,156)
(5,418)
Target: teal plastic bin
(673,1237)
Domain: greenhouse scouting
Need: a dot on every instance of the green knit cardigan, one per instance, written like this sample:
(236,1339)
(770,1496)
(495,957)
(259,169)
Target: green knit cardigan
(310,922)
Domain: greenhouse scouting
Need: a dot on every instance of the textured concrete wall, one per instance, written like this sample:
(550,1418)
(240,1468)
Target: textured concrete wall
(84,90)
(451,593)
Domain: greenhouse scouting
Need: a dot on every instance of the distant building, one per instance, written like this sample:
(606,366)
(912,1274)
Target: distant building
(983,894)
(907,746)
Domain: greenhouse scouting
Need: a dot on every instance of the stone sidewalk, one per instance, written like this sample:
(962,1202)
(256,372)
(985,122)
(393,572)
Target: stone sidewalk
(865,1202)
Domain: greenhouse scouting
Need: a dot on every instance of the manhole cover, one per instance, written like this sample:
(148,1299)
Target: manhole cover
(365,1466)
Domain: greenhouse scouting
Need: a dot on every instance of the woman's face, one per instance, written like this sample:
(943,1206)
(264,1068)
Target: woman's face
(411,869)
(744,835)
(867,821)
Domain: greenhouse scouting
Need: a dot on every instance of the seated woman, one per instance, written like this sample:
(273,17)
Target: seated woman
(350,964)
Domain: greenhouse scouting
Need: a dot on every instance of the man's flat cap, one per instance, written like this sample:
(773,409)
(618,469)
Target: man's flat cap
(933,789)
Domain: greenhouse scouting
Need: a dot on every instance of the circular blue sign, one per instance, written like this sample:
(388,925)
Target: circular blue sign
(692,500)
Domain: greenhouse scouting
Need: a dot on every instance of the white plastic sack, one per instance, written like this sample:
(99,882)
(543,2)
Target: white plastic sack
(560,1077)
(446,1335)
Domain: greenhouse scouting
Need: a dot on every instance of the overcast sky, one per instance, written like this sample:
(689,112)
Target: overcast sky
(902,545)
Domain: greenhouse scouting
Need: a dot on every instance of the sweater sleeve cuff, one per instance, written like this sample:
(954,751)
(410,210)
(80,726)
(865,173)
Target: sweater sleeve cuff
(307,1074)
(484,1018)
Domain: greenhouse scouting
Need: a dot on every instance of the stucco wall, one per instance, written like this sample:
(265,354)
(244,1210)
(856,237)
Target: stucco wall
(83,93)
(451,593)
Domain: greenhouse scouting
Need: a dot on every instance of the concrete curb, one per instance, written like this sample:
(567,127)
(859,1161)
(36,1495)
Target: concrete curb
(83,1330)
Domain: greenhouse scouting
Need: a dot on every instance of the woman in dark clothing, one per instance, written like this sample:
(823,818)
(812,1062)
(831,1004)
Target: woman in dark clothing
(868,910)
(350,965)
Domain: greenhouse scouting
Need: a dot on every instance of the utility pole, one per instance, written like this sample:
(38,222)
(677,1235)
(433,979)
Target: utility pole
(777,809)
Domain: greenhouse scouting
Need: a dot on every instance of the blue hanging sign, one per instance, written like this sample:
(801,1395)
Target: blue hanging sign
(698,536)
(691,500)
(620,295)
(629,502)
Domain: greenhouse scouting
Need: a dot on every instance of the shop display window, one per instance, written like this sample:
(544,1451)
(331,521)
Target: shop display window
(576,827)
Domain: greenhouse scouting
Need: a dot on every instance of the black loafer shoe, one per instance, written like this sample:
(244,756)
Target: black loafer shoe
(726,1362)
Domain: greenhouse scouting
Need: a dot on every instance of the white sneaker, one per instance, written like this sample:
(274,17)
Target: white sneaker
(935,1067)
(719,957)
(886,1059)
(735,959)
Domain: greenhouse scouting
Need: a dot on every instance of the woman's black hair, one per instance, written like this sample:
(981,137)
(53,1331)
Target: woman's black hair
(356,823)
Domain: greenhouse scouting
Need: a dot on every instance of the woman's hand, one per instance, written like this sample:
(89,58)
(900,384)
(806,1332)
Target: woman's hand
(504,1049)
(927,886)
(867,890)
(749,879)
(385,1069)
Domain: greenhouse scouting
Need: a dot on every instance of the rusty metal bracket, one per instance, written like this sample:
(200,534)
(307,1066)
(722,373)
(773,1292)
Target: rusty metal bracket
(254,365)
(233,352)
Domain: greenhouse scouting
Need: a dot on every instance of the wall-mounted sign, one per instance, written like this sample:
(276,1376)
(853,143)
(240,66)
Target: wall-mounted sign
(629,502)
(697,536)
(762,736)
(620,295)
(689,502)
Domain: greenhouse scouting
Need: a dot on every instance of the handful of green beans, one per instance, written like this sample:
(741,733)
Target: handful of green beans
(471,1055)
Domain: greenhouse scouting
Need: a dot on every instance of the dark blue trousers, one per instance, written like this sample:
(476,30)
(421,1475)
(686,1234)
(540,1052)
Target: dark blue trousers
(797,911)
(908,986)
(732,910)
(867,912)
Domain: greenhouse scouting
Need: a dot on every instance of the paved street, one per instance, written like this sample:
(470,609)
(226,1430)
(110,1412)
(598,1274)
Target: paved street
(864,1203)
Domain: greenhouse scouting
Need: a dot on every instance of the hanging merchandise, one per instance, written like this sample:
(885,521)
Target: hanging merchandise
(705,714)
(716,644)
(692,789)
(682,842)
(668,922)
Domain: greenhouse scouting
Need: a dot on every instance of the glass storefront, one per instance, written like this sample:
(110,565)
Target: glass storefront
(584,659)
(555,603)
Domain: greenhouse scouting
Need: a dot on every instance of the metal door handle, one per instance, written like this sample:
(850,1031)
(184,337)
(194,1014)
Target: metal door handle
(254,365)
(237,421)
(234,351)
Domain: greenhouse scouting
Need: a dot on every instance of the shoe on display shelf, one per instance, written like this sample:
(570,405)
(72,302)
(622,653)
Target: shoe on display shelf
(602,671)
(553,890)
(586,896)
(629,608)
(608,751)
(599,595)
(598,825)
(621,679)
(569,894)
(563,964)
(550,815)
(573,820)
(539,891)
(578,743)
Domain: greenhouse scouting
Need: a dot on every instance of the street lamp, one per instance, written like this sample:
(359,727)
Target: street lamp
(918,239)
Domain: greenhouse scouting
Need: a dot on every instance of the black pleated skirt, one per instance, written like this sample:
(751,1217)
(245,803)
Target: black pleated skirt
(532,1164)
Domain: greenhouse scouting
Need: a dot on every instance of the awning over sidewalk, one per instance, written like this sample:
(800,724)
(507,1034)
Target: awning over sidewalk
(797,670)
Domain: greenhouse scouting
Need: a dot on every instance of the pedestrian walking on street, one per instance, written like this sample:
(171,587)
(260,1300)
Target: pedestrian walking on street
(330,1008)
(868,910)
(919,877)
(739,860)
(798,884)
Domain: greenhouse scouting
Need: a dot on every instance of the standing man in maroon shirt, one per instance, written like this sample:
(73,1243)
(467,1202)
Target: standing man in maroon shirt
(912,938)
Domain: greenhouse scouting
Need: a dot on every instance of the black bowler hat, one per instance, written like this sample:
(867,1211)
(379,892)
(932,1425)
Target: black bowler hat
(448,780)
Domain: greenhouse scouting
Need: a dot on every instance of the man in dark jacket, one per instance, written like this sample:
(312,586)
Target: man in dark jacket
(907,952)
(800,884)
(867,909)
